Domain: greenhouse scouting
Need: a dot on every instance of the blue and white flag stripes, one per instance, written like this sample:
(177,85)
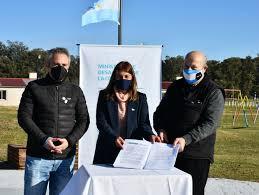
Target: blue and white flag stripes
(101,11)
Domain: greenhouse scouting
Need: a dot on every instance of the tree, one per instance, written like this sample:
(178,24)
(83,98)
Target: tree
(73,74)
(171,68)
(16,60)
(37,60)
(230,73)
(255,88)
(248,75)
(17,53)
(4,61)
(214,71)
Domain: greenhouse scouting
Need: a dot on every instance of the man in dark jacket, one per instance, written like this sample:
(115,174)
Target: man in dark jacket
(54,115)
(188,115)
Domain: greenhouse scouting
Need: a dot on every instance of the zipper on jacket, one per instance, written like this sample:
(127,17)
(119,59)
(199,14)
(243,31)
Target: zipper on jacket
(57,116)
(57,99)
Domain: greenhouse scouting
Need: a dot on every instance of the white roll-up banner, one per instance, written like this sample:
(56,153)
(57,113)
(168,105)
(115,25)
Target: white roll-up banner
(96,65)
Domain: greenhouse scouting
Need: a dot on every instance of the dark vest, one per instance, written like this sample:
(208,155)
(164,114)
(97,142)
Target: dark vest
(186,110)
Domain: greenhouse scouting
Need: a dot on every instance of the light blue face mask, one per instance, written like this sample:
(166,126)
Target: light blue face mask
(193,77)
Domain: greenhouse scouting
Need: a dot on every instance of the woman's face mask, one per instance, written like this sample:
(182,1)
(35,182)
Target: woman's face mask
(123,81)
(123,84)
(58,73)
(193,77)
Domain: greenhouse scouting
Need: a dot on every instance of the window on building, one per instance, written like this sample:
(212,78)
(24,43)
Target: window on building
(2,94)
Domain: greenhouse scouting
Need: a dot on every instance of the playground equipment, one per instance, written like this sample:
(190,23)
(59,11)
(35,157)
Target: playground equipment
(243,104)
(257,107)
(257,111)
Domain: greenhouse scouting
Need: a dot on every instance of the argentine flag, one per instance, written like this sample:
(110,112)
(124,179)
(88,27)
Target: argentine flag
(101,11)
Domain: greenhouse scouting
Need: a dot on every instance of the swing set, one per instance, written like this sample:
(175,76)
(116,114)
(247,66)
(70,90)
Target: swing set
(244,105)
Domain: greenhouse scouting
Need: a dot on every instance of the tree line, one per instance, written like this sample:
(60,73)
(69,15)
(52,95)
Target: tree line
(231,73)
(17,60)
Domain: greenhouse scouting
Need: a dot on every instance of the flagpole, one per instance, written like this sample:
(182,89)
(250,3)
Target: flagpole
(120,24)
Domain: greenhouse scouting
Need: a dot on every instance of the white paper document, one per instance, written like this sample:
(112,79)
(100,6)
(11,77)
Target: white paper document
(141,154)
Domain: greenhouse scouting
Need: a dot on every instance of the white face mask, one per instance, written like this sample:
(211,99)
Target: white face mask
(193,77)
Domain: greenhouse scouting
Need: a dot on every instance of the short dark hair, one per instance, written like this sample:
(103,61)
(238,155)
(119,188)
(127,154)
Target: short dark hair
(57,50)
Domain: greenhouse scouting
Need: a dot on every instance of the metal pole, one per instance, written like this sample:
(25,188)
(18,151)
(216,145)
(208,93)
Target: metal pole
(38,66)
(119,25)
(78,63)
(78,48)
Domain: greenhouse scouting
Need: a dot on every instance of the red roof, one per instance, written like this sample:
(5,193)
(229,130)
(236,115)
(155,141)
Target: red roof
(14,82)
(166,84)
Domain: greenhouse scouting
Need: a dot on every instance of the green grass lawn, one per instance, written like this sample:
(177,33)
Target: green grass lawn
(236,152)
(237,149)
(10,132)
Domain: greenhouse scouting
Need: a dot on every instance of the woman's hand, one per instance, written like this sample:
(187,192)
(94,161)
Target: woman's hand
(119,142)
(163,136)
(154,138)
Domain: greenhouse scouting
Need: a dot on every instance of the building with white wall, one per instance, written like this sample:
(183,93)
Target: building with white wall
(11,90)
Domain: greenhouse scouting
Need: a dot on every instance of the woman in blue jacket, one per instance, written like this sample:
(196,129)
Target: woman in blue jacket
(122,113)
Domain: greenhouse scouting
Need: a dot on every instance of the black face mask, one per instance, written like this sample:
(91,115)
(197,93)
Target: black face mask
(58,73)
(123,84)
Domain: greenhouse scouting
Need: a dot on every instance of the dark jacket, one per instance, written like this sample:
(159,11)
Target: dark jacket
(49,109)
(107,120)
(191,112)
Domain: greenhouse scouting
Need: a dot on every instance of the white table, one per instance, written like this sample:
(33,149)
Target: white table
(105,180)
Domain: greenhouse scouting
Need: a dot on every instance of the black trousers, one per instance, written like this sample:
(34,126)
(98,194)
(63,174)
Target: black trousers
(198,169)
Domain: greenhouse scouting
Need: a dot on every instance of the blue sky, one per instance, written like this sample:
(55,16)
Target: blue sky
(219,28)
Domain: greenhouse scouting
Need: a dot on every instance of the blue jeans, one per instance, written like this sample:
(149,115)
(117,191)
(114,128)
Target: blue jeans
(38,172)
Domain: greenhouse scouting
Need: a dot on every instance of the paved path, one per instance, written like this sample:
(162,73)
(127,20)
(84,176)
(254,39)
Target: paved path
(12,184)
(231,187)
